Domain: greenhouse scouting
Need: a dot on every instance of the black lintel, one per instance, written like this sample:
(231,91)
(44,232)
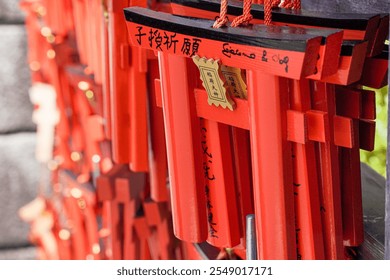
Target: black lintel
(348,45)
(352,21)
(273,37)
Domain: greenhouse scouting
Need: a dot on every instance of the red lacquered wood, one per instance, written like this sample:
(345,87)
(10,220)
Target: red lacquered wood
(106,100)
(317,126)
(182,129)
(221,200)
(296,127)
(87,204)
(98,33)
(128,189)
(351,192)
(348,102)
(88,33)
(310,243)
(78,234)
(158,97)
(323,98)
(60,16)
(129,241)
(154,212)
(272,179)
(166,240)
(106,193)
(158,167)
(367,135)
(91,129)
(80,32)
(92,233)
(143,233)
(375,72)
(104,231)
(328,56)
(243,176)
(94,125)
(115,229)
(344,132)
(381,34)
(368,105)
(138,112)
(350,67)
(85,199)
(238,117)
(158,219)
(119,83)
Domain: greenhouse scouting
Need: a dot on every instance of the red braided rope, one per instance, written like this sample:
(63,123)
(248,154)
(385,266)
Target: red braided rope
(275,3)
(287,4)
(222,20)
(246,16)
(268,5)
(267,13)
(297,4)
(291,4)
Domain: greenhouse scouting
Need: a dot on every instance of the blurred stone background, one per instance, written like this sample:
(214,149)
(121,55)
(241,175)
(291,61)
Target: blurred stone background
(19,172)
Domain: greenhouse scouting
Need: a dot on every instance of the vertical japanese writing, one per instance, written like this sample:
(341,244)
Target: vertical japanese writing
(156,38)
(139,35)
(211,81)
(190,47)
(209,177)
(233,86)
(234,81)
(169,41)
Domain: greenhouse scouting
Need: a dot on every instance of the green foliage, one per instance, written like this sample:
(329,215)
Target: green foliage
(377,158)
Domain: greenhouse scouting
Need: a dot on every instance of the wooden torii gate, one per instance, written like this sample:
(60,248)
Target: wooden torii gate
(363,6)
(274,127)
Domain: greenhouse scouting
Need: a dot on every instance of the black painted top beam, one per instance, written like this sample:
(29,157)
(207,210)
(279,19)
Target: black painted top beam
(273,37)
(352,21)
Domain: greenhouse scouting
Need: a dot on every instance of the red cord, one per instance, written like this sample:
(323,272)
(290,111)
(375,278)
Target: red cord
(222,20)
(268,5)
(297,4)
(246,16)
(291,4)
(287,4)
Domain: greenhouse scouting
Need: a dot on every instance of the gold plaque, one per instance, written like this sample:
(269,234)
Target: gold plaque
(213,82)
(235,83)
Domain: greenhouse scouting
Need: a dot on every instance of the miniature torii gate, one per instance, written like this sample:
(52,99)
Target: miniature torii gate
(267,68)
